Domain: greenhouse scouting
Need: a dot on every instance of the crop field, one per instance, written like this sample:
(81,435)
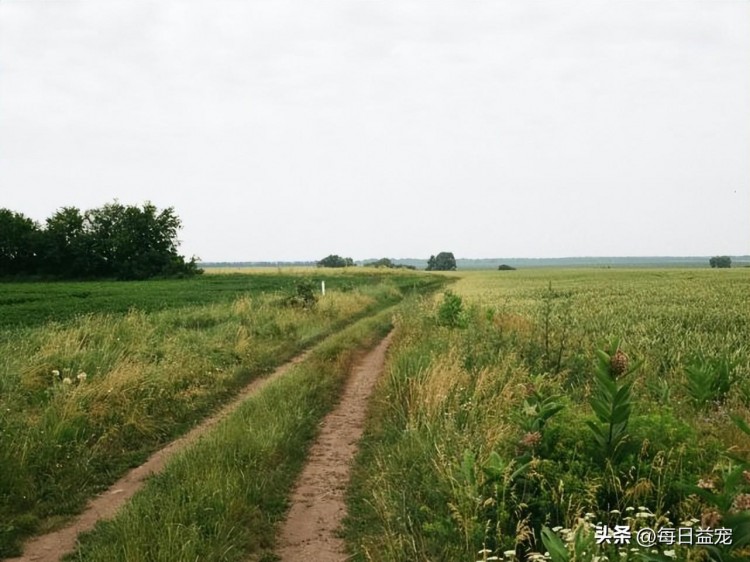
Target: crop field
(524,412)
(25,304)
(94,376)
(521,412)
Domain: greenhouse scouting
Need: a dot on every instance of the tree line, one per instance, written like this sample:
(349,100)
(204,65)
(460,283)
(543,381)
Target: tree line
(113,241)
(444,261)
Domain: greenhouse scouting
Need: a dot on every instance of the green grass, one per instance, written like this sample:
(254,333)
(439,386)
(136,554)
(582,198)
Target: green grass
(34,303)
(221,499)
(456,460)
(149,376)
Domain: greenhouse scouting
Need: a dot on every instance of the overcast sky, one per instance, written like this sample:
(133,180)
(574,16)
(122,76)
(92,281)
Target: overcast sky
(284,130)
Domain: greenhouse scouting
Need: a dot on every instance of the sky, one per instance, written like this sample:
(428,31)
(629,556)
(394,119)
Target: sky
(290,130)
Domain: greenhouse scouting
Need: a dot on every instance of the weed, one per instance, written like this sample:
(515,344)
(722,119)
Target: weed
(450,312)
(709,380)
(611,401)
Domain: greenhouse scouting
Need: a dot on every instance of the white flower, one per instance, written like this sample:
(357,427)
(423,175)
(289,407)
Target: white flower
(55,373)
(670,553)
(81,376)
(67,380)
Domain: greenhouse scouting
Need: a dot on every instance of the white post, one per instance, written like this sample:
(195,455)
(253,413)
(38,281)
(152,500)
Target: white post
(323,287)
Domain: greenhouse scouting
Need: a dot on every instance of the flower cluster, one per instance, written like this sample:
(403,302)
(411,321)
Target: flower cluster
(67,381)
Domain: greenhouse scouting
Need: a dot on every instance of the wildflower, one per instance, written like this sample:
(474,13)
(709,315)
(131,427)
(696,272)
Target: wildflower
(670,553)
(618,363)
(81,376)
(741,502)
(531,439)
(55,373)
(710,519)
(67,380)
(706,484)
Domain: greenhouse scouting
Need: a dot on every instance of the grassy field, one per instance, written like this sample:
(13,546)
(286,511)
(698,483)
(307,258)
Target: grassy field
(221,499)
(527,401)
(34,303)
(86,396)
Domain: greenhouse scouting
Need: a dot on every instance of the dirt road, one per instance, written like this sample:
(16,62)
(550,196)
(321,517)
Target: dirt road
(52,546)
(309,532)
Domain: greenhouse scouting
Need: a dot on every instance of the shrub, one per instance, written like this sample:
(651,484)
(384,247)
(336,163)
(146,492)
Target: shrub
(303,296)
(450,313)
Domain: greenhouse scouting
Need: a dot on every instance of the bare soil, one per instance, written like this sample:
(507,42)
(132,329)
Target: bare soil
(52,546)
(317,503)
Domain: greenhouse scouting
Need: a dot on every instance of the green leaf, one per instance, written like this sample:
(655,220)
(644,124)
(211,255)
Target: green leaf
(467,467)
(741,423)
(555,546)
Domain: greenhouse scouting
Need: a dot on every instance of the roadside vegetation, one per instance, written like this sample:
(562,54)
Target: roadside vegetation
(24,304)
(518,412)
(86,397)
(222,498)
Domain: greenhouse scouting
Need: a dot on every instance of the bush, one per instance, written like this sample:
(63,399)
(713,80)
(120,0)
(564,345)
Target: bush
(450,313)
(303,296)
(505,267)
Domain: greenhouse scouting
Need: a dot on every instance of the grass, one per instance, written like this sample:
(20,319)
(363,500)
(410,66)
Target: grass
(147,377)
(221,499)
(35,303)
(479,436)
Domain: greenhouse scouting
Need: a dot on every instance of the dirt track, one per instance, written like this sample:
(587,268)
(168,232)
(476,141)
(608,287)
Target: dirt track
(310,530)
(52,546)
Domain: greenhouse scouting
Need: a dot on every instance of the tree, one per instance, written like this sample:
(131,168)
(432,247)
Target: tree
(67,245)
(720,261)
(19,243)
(505,267)
(444,261)
(382,262)
(335,261)
(126,242)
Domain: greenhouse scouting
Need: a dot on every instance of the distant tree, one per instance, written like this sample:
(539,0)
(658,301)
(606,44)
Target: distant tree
(720,261)
(334,260)
(444,261)
(19,243)
(505,267)
(382,262)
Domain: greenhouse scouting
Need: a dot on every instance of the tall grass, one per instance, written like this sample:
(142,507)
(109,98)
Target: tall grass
(83,400)
(221,499)
(480,433)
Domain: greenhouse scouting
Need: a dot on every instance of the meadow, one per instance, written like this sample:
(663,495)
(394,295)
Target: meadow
(94,376)
(222,498)
(520,409)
